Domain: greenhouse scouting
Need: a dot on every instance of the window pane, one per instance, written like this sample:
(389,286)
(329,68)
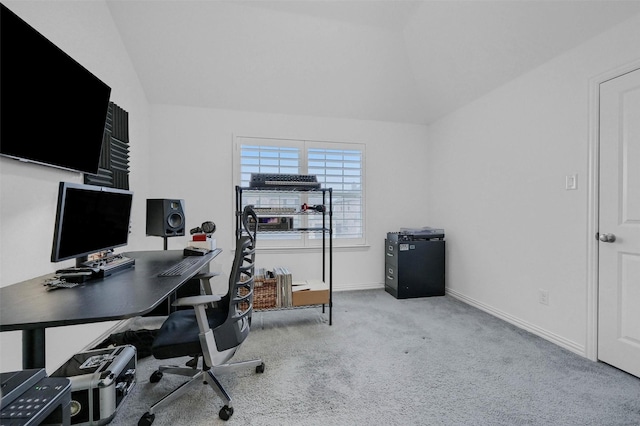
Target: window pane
(270,159)
(340,170)
(267,159)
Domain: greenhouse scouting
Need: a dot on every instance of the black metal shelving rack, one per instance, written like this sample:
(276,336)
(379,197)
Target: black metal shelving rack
(326,230)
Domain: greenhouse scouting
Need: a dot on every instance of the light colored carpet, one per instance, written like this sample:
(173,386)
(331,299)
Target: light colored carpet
(426,361)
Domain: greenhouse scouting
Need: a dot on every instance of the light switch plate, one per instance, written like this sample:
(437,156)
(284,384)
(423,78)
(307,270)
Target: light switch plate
(571,182)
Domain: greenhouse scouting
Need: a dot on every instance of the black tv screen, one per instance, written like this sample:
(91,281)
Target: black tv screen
(90,219)
(52,109)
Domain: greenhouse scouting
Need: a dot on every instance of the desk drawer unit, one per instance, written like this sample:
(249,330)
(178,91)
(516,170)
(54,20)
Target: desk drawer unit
(414,268)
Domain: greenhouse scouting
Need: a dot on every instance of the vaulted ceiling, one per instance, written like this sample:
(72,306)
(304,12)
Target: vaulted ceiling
(390,60)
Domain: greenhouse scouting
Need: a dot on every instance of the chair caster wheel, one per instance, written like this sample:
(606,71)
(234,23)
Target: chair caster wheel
(146,419)
(226,412)
(260,368)
(155,377)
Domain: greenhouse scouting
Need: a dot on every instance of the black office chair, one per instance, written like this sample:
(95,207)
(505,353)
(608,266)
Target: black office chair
(213,329)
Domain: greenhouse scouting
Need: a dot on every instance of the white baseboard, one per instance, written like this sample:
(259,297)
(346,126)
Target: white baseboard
(361,286)
(538,331)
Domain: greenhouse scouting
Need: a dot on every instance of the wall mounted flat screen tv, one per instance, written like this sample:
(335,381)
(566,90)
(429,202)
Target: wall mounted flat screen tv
(52,109)
(90,219)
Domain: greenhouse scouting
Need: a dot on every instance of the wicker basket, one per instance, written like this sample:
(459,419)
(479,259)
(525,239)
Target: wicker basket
(264,293)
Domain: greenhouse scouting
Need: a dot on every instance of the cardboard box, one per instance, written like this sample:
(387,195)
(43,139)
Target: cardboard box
(314,293)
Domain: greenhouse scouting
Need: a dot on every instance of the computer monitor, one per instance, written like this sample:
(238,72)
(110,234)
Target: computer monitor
(90,219)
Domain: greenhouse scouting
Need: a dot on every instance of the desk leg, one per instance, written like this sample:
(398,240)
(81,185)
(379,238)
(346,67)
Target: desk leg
(33,346)
(172,298)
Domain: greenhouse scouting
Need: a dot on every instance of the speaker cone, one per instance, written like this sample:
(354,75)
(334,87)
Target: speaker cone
(175,220)
(75,407)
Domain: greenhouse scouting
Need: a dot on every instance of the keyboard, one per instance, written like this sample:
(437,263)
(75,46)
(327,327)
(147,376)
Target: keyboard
(180,267)
(283,181)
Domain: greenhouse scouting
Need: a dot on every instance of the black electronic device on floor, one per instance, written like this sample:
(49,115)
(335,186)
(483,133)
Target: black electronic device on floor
(415,263)
(29,397)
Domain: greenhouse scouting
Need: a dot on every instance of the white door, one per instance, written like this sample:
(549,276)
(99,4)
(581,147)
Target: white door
(619,227)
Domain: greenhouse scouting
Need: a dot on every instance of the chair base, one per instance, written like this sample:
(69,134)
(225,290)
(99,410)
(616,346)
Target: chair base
(196,375)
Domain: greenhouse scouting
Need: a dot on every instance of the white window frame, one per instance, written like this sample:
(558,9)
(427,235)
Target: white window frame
(312,239)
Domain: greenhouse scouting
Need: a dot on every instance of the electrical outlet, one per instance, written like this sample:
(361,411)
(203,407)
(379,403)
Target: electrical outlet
(543,296)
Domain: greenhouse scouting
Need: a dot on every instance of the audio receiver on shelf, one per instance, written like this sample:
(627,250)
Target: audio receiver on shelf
(273,223)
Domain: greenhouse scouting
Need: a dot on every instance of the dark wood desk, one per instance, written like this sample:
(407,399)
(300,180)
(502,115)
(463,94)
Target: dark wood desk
(30,307)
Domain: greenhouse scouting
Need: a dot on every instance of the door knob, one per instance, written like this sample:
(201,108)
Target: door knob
(607,238)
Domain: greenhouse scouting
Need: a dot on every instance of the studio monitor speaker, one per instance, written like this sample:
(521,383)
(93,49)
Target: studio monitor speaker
(165,217)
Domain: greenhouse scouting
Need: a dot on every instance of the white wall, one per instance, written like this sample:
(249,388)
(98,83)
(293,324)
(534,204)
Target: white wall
(28,192)
(192,158)
(497,172)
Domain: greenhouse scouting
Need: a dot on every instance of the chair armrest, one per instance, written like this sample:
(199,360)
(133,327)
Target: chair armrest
(205,281)
(205,275)
(197,300)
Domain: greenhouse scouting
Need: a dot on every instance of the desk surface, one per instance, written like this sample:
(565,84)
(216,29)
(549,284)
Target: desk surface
(29,305)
